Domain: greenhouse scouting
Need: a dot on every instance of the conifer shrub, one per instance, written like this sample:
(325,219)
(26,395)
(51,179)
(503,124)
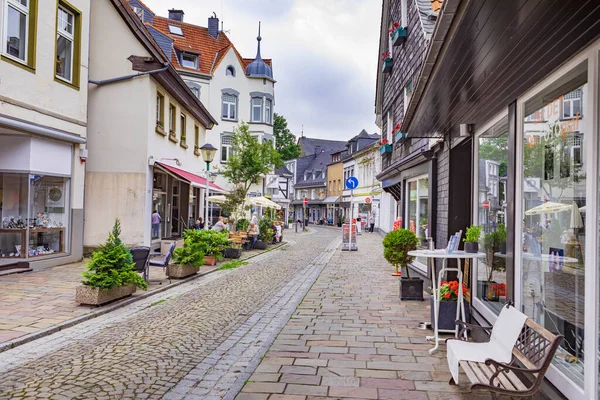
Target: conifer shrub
(112,264)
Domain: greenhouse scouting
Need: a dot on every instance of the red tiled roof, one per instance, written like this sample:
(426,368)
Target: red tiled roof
(188,176)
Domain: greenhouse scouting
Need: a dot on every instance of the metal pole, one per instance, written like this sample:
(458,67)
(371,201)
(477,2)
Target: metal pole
(207,189)
(351,219)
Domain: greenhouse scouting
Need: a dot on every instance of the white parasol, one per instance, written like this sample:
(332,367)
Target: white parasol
(547,208)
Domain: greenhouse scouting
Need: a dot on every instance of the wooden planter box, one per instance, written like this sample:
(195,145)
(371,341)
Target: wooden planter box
(210,260)
(97,296)
(447,314)
(181,270)
(386,148)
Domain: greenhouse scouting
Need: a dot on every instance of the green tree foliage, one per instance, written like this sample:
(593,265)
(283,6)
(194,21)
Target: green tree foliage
(285,141)
(492,242)
(192,252)
(396,246)
(265,232)
(112,264)
(495,149)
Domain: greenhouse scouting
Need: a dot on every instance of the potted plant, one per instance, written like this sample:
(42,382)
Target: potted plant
(233,251)
(396,246)
(242,224)
(265,233)
(493,242)
(187,259)
(472,239)
(387,62)
(397,33)
(111,273)
(213,244)
(384,147)
(160,127)
(448,295)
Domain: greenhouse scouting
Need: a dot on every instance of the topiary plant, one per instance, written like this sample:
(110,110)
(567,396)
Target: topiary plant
(112,264)
(396,246)
(192,252)
(265,232)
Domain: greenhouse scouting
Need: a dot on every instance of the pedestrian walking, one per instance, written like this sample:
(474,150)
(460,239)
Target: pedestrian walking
(156,219)
(372,223)
(358,225)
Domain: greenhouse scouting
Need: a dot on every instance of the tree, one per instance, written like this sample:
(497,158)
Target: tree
(495,149)
(248,163)
(285,141)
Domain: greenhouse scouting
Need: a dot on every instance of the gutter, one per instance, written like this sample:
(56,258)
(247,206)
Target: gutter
(127,77)
(41,130)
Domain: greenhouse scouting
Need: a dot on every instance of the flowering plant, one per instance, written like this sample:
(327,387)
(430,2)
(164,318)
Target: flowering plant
(383,142)
(499,289)
(448,291)
(398,224)
(160,123)
(386,55)
(395,26)
(397,128)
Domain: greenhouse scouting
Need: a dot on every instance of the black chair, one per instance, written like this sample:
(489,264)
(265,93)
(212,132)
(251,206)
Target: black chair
(156,260)
(140,258)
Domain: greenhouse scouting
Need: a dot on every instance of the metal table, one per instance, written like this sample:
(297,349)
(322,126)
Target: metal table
(431,255)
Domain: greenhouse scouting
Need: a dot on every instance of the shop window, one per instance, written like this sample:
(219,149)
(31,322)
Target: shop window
(553,235)
(492,162)
(14,211)
(19,30)
(417,213)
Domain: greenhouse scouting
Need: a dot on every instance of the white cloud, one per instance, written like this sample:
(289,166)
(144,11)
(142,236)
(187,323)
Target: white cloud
(324,53)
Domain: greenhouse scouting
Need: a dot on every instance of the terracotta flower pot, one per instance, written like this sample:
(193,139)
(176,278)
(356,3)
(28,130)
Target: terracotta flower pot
(210,260)
(97,296)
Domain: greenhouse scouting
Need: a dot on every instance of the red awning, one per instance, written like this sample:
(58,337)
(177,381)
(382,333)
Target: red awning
(193,179)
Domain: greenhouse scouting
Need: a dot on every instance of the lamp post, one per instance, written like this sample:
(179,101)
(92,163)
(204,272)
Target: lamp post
(208,154)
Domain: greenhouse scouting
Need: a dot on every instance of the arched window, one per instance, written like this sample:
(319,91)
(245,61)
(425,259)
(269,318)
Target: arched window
(230,71)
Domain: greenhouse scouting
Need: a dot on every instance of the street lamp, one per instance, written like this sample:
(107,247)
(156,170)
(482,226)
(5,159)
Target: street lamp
(208,154)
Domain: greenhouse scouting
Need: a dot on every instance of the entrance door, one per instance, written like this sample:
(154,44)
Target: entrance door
(175,223)
(159,203)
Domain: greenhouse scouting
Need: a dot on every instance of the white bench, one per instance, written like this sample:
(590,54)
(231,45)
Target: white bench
(492,366)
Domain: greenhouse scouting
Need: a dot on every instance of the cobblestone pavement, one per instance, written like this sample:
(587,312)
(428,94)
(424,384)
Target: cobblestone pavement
(352,338)
(34,301)
(146,349)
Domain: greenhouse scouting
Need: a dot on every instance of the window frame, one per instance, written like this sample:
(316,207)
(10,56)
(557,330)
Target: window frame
(258,106)
(227,147)
(30,12)
(182,127)
(172,119)
(70,37)
(195,57)
(160,110)
(417,264)
(230,106)
(230,71)
(197,139)
(175,27)
(75,47)
(269,111)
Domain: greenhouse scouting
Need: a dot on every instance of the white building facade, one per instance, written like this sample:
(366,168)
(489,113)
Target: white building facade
(43,127)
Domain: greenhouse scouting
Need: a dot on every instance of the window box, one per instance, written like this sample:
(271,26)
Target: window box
(160,128)
(197,150)
(183,144)
(173,137)
(399,36)
(387,65)
(386,148)
(399,136)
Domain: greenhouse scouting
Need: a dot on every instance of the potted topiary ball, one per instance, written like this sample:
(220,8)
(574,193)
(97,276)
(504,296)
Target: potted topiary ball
(472,239)
(396,246)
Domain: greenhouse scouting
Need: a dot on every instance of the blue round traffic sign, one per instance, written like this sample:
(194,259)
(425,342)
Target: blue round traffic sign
(352,182)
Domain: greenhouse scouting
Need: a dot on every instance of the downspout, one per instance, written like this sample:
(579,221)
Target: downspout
(127,77)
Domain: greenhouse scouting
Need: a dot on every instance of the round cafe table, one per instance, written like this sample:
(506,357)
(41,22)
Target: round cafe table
(441,254)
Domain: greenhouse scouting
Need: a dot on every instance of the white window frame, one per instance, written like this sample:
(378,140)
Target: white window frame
(568,103)
(175,30)
(70,37)
(228,148)
(253,106)
(390,126)
(24,10)
(139,11)
(403,13)
(268,111)
(230,106)
(415,263)
(186,54)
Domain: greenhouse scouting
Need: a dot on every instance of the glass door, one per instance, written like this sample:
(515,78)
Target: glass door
(175,223)
(159,212)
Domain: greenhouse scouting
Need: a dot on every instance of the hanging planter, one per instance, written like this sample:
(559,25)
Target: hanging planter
(398,36)
(386,148)
(387,62)
(399,136)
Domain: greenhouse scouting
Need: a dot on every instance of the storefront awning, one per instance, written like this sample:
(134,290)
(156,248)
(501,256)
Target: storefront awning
(192,179)
(331,199)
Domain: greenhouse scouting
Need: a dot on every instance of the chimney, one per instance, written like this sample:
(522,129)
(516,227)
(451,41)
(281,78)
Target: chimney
(213,26)
(317,150)
(176,15)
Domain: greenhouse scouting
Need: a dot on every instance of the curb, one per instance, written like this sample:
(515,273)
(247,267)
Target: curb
(94,314)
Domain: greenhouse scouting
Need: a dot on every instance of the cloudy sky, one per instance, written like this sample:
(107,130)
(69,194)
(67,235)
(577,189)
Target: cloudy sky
(324,55)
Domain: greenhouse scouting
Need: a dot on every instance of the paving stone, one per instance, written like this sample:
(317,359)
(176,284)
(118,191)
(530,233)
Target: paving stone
(264,387)
(306,390)
(355,392)
(301,379)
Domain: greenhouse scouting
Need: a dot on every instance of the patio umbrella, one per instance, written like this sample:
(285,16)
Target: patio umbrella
(576,220)
(582,209)
(220,199)
(262,201)
(547,208)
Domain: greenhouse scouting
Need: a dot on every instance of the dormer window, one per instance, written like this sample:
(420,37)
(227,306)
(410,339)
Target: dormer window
(175,30)
(189,60)
(139,11)
(230,71)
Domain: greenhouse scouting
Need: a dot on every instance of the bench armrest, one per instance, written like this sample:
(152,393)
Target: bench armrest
(500,366)
(469,327)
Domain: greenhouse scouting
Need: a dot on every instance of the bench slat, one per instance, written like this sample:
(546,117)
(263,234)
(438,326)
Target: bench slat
(470,374)
(504,382)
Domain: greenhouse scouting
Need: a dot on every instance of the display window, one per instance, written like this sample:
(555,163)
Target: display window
(416,213)
(35,212)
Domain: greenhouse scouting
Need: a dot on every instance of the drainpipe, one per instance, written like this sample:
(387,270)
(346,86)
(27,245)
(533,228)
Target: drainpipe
(127,77)
(40,130)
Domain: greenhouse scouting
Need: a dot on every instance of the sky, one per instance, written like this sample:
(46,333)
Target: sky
(324,53)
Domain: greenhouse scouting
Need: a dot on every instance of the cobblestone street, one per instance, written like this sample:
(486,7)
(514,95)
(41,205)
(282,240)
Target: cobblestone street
(171,344)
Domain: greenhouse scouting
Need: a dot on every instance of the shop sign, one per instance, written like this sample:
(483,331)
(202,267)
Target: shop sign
(305,201)
(368,200)
(349,237)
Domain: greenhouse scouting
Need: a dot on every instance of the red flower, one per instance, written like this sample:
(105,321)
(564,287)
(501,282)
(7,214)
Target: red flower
(447,295)
(385,55)
(396,25)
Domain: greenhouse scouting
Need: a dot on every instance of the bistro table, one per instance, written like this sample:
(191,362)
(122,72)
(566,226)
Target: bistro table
(431,255)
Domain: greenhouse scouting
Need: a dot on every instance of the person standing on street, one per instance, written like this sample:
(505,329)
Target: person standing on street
(155,223)
(372,222)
